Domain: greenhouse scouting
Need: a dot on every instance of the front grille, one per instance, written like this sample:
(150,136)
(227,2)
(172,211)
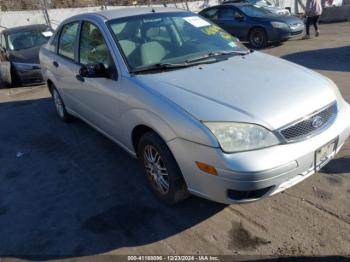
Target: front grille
(296,32)
(310,125)
(295,25)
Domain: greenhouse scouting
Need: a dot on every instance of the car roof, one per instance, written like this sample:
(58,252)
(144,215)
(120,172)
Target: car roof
(126,12)
(233,1)
(225,4)
(237,4)
(23,28)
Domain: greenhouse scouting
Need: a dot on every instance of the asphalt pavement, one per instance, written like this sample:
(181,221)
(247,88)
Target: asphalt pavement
(67,191)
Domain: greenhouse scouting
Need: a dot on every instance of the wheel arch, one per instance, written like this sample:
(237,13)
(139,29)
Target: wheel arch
(137,122)
(50,85)
(137,133)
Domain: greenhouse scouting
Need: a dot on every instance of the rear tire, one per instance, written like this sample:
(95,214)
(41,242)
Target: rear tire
(59,106)
(258,38)
(161,170)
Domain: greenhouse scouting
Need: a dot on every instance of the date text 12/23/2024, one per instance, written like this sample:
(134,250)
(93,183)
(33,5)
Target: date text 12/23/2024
(174,258)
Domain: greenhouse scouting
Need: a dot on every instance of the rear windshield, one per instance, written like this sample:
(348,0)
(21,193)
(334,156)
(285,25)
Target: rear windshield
(169,38)
(28,39)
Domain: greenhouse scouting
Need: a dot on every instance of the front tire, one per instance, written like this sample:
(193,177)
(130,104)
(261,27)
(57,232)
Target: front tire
(59,106)
(258,38)
(161,170)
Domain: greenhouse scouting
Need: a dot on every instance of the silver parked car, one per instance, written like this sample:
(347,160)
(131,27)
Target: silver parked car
(203,114)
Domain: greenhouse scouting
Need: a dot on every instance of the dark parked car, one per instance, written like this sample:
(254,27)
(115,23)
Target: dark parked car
(19,54)
(254,24)
(265,4)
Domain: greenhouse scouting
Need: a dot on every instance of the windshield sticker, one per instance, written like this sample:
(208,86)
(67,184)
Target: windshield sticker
(152,20)
(232,44)
(47,33)
(196,21)
(227,36)
(211,30)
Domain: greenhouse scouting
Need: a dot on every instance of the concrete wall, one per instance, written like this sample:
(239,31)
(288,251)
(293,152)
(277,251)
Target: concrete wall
(336,14)
(19,18)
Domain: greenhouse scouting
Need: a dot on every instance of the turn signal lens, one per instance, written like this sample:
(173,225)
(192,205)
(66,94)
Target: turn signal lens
(207,168)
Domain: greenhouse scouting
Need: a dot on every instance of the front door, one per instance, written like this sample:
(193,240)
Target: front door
(232,21)
(99,96)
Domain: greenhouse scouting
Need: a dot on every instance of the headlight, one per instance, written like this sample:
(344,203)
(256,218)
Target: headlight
(235,137)
(279,25)
(23,66)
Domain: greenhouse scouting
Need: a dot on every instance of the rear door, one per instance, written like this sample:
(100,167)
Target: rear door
(64,66)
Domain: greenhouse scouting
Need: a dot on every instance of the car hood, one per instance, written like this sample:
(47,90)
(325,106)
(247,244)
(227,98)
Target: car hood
(256,88)
(288,19)
(274,9)
(30,55)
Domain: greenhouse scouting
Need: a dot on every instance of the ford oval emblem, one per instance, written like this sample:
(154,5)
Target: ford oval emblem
(317,122)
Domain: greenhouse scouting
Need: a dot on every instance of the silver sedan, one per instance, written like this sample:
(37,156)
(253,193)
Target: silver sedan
(203,114)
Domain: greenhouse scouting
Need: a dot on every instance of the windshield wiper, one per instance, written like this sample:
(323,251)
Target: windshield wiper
(159,66)
(170,66)
(215,54)
(205,59)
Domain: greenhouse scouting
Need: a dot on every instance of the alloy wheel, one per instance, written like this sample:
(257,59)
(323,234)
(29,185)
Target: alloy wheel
(257,38)
(156,171)
(58,104)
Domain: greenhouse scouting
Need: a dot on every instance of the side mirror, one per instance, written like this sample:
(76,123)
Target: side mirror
(239,17)
(94,71)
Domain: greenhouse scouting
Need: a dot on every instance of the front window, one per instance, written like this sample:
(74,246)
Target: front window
(28,39)
(226,14)
(169,38)
(93,48)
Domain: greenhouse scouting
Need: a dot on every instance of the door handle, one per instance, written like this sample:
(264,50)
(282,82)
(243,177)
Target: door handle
(55,64)
(80,78)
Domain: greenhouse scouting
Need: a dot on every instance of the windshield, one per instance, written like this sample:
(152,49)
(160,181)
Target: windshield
(253,11)
(169,38)
(28,39)
(262,3)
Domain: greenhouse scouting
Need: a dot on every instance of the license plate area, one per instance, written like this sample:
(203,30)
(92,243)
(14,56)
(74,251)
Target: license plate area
(324,154)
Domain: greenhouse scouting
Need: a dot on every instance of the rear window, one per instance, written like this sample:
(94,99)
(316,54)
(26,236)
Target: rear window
(68,39)
(53,42)
(211,13)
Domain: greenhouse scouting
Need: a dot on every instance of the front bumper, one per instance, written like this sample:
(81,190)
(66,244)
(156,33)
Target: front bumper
(250,176)
(280,35)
